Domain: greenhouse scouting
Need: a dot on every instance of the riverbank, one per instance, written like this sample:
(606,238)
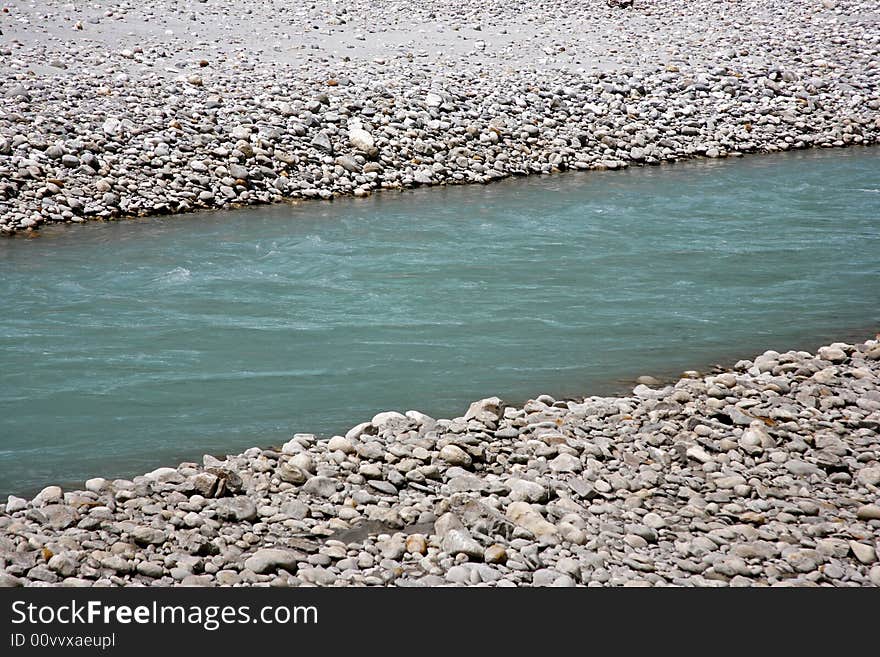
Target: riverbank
(766,474)
(128,112)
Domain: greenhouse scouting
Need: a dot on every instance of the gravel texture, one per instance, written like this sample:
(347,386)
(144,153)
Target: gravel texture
(118,109)
(766,474)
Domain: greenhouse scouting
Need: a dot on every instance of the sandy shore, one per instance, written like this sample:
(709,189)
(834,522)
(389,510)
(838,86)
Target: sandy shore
(139,108)
(764,475)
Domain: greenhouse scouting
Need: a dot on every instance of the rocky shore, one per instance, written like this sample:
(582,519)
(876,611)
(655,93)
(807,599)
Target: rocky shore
(133,108)
(766,474)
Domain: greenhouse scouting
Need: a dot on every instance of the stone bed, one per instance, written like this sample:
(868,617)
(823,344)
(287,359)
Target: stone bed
(135,108)
(766,474)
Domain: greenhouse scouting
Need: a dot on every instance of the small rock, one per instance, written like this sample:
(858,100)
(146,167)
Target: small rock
(322,142)
(495,554)
(148,536)
(416,544)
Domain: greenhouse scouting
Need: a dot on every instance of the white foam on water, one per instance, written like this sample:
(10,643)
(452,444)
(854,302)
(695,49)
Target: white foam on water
(176,275)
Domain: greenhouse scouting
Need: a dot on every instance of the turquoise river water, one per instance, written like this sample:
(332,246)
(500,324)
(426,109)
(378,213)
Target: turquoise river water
(127,346)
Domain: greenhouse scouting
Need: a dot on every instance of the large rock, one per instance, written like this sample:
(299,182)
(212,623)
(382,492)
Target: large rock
(271,559)
(322,142)
(446,523)
(96,484)
(164,475)
(460,541)
(292,474)
(380,420)
(237,509)
(832,353)
(49,495)
(148,535)
(320,486)
(485,410)
(304,461)
(63,565)
(864,553)
(522,490)
(455,455)
(868,512)
(9,581)
(362,140)
(869,476)
(60,516)
(205,484)
(566,463)
(228,481)
(296,509)
(524,515)
(340,444)
(14,504)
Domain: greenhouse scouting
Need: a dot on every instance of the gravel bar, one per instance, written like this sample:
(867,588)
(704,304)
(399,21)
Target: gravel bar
(132,108)
(764,475)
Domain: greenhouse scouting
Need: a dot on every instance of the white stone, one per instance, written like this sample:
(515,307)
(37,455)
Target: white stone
(381,419)
(14,504)
(361,139)
(161,474)
(96,484)
(525,516)
(49,495)
(455,455)
(340,444)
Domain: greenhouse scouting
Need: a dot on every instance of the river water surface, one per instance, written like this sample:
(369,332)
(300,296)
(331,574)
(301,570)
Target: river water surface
(126,346)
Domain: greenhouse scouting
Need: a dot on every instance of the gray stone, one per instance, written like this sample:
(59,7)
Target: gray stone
(237,509)
(14,504)
(868,512)
(322,142)
(292,474)
(864,553)
(49,495)
(320,486)
(869,476)
(361,140)
(296,509)
(460,541)
(565,463)
(527,491)
(455,455)
(148,535)
(525,516)
(60,516)
(271,559)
